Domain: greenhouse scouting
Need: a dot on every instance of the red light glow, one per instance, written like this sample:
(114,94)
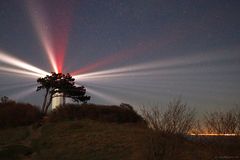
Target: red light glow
(125,54)
(52,27)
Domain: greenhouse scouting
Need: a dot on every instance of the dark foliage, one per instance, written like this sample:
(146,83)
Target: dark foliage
(118,114)
(60,83)
(5,100)
(18,114)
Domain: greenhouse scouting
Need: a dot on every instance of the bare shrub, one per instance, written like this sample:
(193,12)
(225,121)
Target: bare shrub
(177,119)
(223,122)
(238,119)
(153,117)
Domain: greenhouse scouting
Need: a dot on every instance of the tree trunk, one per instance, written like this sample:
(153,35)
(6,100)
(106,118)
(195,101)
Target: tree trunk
(45,101)
(48,104)
(64,100)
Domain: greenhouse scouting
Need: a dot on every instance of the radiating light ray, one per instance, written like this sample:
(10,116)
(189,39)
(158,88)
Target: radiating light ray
(10,60)
(156,72)
(164,89)
(23,93)
(139,49)
(106,97)
(174,70)
(199,59)
(11,86)
(117,57)
(20,72)
(121,91)
(159,64)
(52,26)
(40,24)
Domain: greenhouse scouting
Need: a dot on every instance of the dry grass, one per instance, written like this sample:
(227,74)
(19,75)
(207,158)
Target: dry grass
(18,114)
(89,140)
(92,132)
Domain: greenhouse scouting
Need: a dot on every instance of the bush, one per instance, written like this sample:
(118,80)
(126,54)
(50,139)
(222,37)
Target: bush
(18,114)
(223,122)
(119,114)
(177,119)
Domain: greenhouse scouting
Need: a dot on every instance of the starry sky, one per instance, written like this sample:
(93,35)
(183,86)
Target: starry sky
(143,52)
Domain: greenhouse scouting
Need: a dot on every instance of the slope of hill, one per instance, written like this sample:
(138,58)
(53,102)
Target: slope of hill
(92,140)
(94,132)
(84,139)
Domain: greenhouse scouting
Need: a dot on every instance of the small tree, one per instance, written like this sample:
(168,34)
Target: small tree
(5,100)
(60,83)
(178,118)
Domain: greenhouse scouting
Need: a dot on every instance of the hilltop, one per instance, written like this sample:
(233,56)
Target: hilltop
(102,133)
(84,140)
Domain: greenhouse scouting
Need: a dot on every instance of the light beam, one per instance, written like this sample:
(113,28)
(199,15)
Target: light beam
(23,93)
(20,72)
(14,86)
(10,60)
(39,22)
(103,96)
(151,68)
(125,54)
(52,27)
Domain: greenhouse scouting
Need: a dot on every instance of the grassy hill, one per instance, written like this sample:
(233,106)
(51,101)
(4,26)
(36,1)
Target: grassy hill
(84,139)
(92,140)
(102,133)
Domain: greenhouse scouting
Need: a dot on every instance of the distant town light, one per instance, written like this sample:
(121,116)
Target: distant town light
(213,134)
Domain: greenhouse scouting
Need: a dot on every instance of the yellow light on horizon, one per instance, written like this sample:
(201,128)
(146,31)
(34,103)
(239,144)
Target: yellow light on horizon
(214,134)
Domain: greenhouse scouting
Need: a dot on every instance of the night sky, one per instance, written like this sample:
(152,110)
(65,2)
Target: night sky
(141,52)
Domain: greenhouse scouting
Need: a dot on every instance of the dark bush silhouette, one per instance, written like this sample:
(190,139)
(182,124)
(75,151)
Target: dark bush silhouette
(177,119)
(60,83)
(223,122)
(118,114)
(14,114)
(5,100)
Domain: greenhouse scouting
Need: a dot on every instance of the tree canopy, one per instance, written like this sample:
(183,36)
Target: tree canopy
(60,83)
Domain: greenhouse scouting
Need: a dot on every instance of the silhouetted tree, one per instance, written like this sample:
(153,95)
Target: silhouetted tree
(177,119)
(60,83)
(222,122)
(5,100)
(238,118)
